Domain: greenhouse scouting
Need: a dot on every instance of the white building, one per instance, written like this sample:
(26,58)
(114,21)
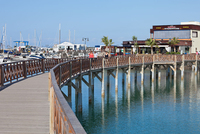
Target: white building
(68,46)
(188,33)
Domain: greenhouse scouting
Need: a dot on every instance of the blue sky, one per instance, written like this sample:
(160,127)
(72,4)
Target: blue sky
(117,19)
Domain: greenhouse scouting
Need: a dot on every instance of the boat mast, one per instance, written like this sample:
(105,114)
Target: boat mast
(10,43)
(59,33)
(35,37)
(69,35)
(3,39)
(74,36)
(29,38)
(20,38)
(40,40)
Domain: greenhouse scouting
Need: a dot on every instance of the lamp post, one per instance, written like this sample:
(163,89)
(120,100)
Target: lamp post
(85,39)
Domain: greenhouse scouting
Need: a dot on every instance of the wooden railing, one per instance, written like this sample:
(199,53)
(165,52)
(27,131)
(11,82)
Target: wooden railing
(62,118)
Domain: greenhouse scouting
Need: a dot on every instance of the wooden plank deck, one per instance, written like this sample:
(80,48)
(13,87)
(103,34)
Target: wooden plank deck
(24,106)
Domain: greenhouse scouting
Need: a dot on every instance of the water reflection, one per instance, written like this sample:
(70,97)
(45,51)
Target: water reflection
(168,106)
(102,110)
(152,92)
(116,106)
(142,96)
(182,90)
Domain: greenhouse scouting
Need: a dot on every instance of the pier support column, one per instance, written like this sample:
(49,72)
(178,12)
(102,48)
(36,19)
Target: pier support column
(80,89)
(79,95)
(69,100)
(156,73)
(196,66)
(123,75)
(102,86)
(108,78)
(167,72)
(159,75)
(92,81)
(142,71)
(159,78)
(116,77)
(182,67)
(175,66)
(135,76)
(152,73)
(91,85)
(76,94)
(129,74)
(70,86)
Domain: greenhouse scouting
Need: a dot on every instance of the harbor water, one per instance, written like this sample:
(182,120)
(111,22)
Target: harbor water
(165,106)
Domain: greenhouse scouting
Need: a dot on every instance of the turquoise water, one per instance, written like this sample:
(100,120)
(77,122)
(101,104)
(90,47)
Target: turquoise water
(167,106)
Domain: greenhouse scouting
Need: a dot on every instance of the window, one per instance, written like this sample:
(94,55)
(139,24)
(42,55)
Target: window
(194,34)
(166,34)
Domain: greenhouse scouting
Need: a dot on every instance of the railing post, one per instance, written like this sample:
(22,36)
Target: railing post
(70,70)
(81,66)
(60,75)
(43,66)
(2,74)
(24,69)
(90,64)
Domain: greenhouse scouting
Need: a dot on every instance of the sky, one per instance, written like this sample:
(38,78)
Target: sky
(93,19)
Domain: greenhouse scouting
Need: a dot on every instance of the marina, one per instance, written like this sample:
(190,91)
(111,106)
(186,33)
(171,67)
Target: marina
(129,72)
(93,67)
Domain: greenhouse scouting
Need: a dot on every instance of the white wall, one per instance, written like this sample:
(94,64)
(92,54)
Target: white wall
(182,49)
(195,42)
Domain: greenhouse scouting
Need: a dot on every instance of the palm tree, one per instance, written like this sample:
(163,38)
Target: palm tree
(134,38)
(110,43)
(173,42)
(151,42)
(105,40)
(136,45)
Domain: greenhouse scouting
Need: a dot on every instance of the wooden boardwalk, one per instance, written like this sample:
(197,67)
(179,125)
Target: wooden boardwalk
(24,106)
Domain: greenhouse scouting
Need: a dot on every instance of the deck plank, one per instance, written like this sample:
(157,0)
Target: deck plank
(24,106)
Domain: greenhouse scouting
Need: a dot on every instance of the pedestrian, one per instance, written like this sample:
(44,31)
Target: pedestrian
(196,52)
(91,55)
(95,54)
(106,55)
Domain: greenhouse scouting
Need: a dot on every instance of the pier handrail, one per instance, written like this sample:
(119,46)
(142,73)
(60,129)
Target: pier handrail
(62,118)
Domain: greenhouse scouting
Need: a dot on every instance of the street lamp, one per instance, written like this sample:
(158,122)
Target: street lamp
(85,39)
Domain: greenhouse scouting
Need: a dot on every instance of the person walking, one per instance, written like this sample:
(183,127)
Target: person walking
(95,54)
(106,55)
(91,55)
